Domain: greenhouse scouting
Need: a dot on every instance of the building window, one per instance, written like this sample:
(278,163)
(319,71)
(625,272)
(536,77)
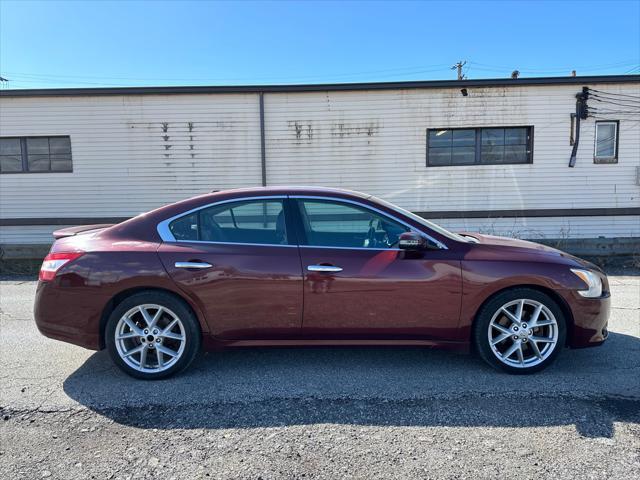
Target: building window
(479,146)
(606,146)
(35,154)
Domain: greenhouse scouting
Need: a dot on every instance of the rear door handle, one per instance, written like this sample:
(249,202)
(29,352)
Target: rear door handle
(198,265)
(324,268)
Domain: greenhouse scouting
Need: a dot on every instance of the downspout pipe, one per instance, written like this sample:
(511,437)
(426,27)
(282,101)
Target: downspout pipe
(576,141)
(263,152)
(582,112)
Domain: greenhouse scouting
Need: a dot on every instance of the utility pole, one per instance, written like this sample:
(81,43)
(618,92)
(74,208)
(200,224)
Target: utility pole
(459,66)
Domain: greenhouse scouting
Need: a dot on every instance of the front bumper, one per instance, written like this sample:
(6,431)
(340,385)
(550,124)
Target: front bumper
(590,320)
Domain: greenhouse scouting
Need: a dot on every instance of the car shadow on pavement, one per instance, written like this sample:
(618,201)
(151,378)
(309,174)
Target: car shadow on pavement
(251,388)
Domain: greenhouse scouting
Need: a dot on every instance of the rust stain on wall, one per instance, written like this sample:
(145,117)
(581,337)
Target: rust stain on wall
(179,141)
(368,129)
(303,130)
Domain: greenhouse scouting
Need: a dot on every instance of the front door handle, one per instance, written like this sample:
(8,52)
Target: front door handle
(324,268)
(198,265)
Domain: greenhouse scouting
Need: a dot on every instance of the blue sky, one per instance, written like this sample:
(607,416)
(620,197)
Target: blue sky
(86,44)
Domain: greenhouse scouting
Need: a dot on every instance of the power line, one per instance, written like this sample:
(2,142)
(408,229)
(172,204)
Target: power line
(634,97)
(605,103)
(615,112)
(607,98)
(624,63)
(389,72)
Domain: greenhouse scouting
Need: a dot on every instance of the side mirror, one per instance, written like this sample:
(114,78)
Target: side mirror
(412,241)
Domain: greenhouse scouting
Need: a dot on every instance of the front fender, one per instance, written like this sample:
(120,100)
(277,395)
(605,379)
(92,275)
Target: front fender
(482,279)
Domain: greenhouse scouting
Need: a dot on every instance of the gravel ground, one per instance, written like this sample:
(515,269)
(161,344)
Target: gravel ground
(318,413)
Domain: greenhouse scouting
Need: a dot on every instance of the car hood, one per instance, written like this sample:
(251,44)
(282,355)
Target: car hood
(516,249)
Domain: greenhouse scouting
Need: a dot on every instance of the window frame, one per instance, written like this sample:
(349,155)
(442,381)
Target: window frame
(24,154)
(302,212)
(293,222)
(300,231)
(164,230)
(478,145)
(608,159)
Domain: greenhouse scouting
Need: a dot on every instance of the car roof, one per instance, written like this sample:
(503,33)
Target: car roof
(290,190)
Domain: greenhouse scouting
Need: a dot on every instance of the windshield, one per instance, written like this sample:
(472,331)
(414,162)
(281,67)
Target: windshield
(422,221)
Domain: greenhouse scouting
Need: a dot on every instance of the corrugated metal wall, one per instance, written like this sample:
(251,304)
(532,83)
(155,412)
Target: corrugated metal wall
(134,153)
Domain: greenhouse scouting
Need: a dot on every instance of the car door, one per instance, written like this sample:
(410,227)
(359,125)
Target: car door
(359,285)
(239,261)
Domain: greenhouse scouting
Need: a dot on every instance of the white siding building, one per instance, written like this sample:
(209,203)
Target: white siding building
(477,155)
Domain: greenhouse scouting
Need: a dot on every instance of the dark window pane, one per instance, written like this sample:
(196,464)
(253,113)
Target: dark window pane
(38,163)
(260,222)
(439,138)
(259,215)
(515,136)
(605,140)
(185,228)
(464,138)
(492,154)
(515,154)
(10,146)
(463,155)
(439,156)
(335,217)
(61,163)
(60,144)
(496,145)
(493,136)
(38,146)
(223,219)
(334,224)
(10,163)
(44,154)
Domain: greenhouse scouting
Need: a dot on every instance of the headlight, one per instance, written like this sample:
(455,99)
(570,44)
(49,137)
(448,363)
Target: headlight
(592,281)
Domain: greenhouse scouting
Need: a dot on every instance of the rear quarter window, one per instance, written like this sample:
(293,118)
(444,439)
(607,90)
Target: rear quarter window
(185,228)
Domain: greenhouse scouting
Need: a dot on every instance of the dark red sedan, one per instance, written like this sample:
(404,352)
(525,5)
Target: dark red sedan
(310,266)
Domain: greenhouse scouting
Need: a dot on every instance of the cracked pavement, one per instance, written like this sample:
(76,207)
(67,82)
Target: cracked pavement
(318,413)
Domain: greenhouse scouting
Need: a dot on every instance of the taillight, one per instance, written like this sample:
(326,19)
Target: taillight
(54,262)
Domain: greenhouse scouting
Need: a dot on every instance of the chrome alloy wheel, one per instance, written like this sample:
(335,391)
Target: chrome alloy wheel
(523,333)
(150,338)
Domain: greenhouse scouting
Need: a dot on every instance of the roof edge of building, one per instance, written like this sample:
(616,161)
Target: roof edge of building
(323,87)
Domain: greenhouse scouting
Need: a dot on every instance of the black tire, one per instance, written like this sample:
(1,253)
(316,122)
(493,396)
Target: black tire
(486,313)
(191,327)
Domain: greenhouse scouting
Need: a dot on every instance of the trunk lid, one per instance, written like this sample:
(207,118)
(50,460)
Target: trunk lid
(81,229)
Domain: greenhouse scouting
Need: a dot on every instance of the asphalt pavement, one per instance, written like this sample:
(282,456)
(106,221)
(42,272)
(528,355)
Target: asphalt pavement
(318,413)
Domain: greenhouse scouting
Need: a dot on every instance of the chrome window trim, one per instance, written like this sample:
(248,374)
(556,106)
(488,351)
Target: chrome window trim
(440,245)
(372,249)
(165,233)
(244,244)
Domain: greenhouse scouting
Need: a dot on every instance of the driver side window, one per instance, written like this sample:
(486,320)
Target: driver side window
(330,223)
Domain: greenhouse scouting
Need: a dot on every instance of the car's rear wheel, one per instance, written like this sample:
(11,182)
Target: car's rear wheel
(521,330)
(152,335)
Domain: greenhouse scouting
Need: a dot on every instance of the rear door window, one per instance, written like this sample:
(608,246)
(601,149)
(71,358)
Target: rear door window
(247,221)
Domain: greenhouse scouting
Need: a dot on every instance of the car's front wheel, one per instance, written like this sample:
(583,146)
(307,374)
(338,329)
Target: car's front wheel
(152,335)
(521,330)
